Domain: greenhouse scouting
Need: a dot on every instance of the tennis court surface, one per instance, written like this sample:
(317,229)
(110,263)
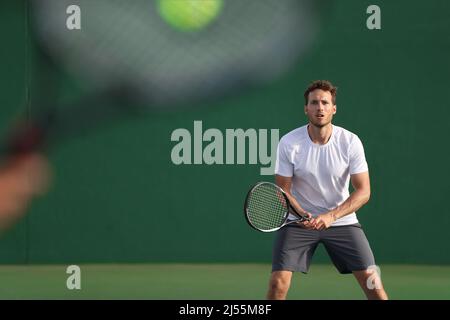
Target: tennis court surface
(211,281)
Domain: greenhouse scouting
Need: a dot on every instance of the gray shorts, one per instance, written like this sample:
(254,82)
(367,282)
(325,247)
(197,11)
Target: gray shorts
(347,247)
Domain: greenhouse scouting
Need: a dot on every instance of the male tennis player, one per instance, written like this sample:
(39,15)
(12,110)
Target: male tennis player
(315,164)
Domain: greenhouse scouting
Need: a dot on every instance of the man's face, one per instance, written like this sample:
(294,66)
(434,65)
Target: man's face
(320,108)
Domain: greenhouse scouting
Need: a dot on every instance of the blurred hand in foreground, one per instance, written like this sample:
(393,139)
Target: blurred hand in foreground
(22,178)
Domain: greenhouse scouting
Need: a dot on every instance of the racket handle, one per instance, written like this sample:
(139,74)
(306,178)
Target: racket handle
(26,137)
(303,215)
(304,218)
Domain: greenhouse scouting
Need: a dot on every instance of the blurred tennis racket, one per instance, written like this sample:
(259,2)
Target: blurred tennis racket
(128,60)
(267,208)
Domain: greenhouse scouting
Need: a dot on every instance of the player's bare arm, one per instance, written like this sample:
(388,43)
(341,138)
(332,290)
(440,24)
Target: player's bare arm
(285,184)
(359,197)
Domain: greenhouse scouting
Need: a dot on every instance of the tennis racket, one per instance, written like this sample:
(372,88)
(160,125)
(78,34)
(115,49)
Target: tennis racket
(128,60)
(267,208)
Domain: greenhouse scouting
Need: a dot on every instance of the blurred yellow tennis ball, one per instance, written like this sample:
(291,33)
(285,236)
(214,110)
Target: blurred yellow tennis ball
(189,15)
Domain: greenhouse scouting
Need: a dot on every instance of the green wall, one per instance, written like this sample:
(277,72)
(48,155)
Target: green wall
(117,197)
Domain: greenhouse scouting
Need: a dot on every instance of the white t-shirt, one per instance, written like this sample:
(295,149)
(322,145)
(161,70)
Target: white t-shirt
(321,173)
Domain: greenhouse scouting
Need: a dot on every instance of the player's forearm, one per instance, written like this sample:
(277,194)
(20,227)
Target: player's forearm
(357,199)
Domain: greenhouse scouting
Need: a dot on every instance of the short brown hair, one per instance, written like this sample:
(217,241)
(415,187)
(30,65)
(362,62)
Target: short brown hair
(324,85)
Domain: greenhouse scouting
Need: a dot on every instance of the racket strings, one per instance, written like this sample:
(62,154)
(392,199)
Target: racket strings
(249,42)
(266,207)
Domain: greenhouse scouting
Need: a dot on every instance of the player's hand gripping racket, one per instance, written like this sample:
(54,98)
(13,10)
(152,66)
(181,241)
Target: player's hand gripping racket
(267,208)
